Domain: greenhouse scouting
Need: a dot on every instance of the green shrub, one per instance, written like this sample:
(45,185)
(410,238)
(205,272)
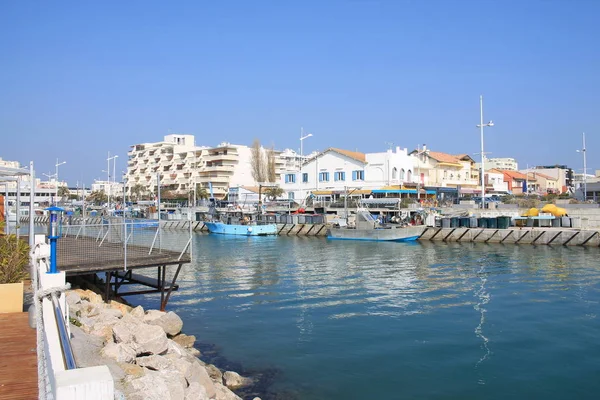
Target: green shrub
(14,259)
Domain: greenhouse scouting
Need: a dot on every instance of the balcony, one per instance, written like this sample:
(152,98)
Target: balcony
(219,168)
(220,156)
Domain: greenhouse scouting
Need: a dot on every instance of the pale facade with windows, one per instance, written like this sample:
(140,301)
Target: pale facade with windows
(501,163)
(393,167)
(445,170)
(328,172)
(182,165)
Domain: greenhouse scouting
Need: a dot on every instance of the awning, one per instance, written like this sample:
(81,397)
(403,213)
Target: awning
(401,191)
(446,190)
(341,192)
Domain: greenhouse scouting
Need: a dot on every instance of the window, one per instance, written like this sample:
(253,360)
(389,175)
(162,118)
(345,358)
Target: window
(290,178)
(324,177)
(339,176)
(358,175)
(409,176)
(402,173)
(394,173)
(291,195)
(304,177)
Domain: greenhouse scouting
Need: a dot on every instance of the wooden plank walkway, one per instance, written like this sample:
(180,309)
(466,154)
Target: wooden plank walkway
(18,358)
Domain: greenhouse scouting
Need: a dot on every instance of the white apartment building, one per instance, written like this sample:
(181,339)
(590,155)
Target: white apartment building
(182,165)
(13,187)
(499,163)
(171,161)
(109,188)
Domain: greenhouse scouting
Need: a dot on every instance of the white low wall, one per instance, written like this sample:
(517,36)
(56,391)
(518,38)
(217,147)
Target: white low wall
(95,383)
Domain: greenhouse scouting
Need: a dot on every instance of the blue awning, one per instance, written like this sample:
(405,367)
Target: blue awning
(400,191)
(447,190)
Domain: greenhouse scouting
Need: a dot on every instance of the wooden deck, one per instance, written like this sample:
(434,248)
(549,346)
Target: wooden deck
(84,256)
(18,358)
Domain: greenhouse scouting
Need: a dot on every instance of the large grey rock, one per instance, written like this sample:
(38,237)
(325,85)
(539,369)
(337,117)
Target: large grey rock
(154,362)
(120,352)
(170,322)
(233,380)
(176,350)
(181,365)
(223,393)
(91,310)
(103,320)
(198,374)
(137,312)
(114,312)
(149,387)
(123,331)
(196,392)
(175,382)
(214,373)
(149,339)
(73,298)
(151,315)
(194,352)
(186,341)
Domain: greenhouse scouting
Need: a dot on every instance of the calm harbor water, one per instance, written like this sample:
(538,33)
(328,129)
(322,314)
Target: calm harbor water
(322,319)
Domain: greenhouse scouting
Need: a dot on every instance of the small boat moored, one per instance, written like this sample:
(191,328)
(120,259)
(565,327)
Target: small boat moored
(240,229)
(370,229)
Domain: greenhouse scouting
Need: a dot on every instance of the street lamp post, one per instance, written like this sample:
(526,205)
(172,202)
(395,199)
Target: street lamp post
(114,171)
(419,152)
(108,176)
(481,126)
(584,169)
(302,137)
(58,164)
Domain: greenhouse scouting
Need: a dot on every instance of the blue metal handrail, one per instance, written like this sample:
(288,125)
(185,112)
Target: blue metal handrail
(65,341)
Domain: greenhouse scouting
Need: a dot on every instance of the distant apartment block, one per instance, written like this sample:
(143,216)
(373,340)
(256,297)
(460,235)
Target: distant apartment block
(501,163)
(181,165)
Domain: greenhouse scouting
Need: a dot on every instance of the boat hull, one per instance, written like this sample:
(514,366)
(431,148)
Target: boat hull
(407,234)
(241,230)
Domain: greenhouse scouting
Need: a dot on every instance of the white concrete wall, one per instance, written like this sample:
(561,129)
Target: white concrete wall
(81,383)
(242,173)
(393,167)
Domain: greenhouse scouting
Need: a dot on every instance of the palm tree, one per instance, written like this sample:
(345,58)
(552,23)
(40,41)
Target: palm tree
(138,190)
(97,197)
(63,192)
(202,193)
(273,193)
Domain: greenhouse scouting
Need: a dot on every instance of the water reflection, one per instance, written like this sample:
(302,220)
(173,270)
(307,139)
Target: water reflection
(423,311)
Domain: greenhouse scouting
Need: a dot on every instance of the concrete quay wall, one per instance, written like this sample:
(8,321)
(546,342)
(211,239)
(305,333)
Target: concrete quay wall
(590,216)
(535,236)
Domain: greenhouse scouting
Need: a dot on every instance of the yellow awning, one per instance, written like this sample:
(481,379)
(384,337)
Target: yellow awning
(322,192)
(448,164)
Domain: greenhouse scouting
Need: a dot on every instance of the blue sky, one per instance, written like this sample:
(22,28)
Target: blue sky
(80,79)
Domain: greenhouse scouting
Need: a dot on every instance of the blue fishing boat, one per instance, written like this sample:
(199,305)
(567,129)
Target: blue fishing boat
(241,229)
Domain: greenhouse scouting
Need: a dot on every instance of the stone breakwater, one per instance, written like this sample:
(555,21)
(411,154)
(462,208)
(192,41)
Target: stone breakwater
(148,356)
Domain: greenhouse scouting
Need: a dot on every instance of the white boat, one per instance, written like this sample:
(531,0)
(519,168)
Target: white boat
(369,229)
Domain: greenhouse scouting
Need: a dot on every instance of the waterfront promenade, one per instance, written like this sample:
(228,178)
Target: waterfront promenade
(18,358)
